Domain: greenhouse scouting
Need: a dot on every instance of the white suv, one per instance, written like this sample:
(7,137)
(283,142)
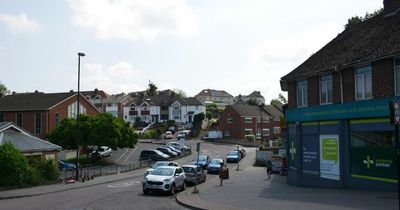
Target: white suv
(165,179)
(178,146)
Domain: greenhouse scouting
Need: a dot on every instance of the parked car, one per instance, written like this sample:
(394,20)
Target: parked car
(173,149)
(101,152)
(202,161)
(194,174)
(169,135)
(214,165)
(180,135)
(167,151)
(178,146)
(233,156)
(165,179)
(159,163)
(152,154)
(65,166)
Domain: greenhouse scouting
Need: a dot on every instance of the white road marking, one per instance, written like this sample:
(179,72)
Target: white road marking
(125,184)
(123,154)
(130,154)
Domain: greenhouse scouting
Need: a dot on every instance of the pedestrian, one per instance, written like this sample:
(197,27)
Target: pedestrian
(222,172)
(268,165)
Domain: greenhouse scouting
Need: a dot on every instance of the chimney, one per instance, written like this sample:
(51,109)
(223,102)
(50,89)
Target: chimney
(71,91)
(36,91)
(391,6)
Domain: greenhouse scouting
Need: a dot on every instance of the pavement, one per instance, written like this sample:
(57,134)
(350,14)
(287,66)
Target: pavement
(247,188)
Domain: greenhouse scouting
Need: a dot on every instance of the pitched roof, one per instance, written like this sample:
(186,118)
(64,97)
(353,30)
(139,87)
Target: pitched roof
(32,101)
(248,111)
(255,94)
(192,101)
(117,98)
(24,141)
(273,111)
(372,39)
(94,93)
(214,93)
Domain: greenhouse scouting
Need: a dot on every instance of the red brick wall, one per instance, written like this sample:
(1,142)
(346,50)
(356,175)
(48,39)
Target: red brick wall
(348,84)
(313,91)
(383,78)
(233,128)
(292,95)
(28,121)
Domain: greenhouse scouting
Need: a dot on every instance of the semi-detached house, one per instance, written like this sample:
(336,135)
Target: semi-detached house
(339,129)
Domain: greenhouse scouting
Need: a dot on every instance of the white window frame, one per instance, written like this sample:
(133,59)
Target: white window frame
(301,88)
(396,72)
(265,132)
(248,120)
(325,83)
(277,130)
(363,73)
(248,129)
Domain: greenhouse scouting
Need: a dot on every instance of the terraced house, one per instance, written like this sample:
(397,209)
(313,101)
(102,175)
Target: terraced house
(339,130)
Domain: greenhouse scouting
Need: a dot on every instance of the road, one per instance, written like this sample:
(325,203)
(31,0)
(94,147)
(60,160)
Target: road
(126,194)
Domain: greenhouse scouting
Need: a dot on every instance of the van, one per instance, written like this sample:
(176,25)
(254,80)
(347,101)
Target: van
(153,155)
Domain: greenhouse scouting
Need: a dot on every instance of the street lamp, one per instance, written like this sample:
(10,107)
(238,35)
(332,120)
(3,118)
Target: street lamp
(77,115)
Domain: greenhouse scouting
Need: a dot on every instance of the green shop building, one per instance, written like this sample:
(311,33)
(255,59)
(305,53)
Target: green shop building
(339,132)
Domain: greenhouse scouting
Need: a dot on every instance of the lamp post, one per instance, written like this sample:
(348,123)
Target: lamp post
(77,115)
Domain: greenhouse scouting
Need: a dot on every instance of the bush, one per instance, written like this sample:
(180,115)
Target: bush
(250,138)
(13,166)
(150,134)
(34,177)
(47,170)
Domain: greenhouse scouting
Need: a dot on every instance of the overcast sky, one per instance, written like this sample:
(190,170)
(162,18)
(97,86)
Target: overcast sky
(234,45)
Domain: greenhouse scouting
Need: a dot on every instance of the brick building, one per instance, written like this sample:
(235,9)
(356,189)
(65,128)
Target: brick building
(239,120)
(338,117)
(38,113)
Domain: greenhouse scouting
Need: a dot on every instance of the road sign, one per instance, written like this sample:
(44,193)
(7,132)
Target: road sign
(395,110)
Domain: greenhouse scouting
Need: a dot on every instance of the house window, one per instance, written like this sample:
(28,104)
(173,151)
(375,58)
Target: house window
(226,133)
(277,130)
(325,89)
(229,120)
(265,132)
(264,120)
(302,93)
(57,119)
(18,119)
(397,72)
(72,109)
(38,123)
(277,118)
(248,131)
(363,83)
(133,108)
(248,120)
(1,117)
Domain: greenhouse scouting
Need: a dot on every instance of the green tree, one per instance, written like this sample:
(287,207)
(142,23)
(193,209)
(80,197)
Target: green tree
(282,98)
(152,89)
(278,101)
(358,19)
(252,102)
(212,111)
(3,90)
(180,92)
(101,130)
(13,166)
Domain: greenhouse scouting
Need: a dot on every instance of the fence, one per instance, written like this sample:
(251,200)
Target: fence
(106,170)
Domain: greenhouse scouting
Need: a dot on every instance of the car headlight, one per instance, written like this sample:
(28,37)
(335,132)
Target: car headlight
(167,180)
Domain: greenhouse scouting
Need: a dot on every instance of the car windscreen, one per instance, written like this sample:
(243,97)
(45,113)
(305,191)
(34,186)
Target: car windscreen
(215,161)
(159,164)
(163,171)
(233,153)
(202,158)
(188,169)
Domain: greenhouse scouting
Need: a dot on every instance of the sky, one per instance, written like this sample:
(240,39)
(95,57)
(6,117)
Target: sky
(234,45)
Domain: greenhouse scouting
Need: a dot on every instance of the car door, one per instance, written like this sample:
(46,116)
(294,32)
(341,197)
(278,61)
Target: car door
(180,176)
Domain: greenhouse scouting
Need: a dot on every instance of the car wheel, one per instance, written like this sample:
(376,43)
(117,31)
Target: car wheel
(145,191)
(172,190)
(184,186)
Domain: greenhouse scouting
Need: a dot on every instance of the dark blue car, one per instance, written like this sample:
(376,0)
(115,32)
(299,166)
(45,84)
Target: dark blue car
(203,161)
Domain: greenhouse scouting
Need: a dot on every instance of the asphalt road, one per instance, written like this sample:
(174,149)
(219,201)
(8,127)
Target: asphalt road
(125,194)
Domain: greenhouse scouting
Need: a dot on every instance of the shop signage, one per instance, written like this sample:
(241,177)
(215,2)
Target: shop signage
(329,158)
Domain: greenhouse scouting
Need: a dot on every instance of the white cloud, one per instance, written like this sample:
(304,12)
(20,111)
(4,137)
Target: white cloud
(19,23)
(120,77)
(134,19)
(2,48)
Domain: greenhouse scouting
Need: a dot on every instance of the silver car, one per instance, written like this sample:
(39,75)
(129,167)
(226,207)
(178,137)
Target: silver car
(165,179)
(194,174)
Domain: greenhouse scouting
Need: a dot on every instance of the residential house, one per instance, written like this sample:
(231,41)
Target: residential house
(38,112)
(30,146)
(219,97)
(166,105)
(339,130)
(96,97)
(255,96)
(239,120)
(115,104)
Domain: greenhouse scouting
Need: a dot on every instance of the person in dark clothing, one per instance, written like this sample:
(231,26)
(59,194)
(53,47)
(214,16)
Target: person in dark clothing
(268,165)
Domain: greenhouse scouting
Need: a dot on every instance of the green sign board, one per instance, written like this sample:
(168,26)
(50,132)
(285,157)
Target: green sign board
(350,110)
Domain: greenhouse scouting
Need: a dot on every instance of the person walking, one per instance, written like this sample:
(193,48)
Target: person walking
(268,165)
